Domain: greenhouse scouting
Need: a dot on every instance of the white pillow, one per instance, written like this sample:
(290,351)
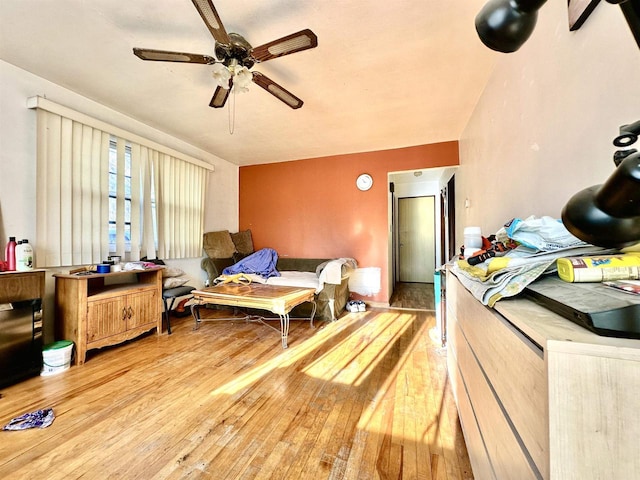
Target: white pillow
(171,272)
(173,282)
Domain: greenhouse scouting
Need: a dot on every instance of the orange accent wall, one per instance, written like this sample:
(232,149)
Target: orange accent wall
(312,208)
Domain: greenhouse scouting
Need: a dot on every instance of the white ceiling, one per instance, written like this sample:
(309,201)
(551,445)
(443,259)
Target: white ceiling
(385,74)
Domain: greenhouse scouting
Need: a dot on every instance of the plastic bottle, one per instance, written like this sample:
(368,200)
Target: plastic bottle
(10,254)
(24,256)
(599,268)
(472,240)
(18,254)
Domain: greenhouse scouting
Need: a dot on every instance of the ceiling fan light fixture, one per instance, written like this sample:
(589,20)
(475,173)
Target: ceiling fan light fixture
(221,75)
(242,78)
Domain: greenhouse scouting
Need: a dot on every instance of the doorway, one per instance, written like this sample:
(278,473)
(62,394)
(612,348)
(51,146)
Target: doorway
(416,221)
(412,266)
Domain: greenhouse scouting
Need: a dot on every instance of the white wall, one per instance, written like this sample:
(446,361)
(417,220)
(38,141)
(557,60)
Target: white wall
(18,163)
(544,125)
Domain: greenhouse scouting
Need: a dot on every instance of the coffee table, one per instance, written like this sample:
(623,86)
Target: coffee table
(277,299)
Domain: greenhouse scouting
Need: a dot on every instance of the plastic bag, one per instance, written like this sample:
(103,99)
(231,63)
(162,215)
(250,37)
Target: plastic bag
(545,233)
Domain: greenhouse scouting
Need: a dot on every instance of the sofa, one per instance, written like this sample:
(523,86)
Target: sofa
(223,249)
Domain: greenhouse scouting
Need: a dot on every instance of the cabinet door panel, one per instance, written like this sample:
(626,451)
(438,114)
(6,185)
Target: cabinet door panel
(105,318)
(142,308)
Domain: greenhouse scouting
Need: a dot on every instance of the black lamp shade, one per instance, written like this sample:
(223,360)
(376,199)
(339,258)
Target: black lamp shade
(504,25)
(608,215)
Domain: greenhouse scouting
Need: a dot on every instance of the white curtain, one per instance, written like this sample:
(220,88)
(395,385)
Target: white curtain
(72,224)
(72,192)
(180,205)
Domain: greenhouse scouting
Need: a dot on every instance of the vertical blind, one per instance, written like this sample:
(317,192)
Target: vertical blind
(166,195)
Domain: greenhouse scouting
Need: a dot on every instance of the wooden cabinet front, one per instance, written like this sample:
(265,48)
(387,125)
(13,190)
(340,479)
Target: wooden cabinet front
(19,286)
(117,315)
(539,396)
(106,318)
(99,310)
(142,309)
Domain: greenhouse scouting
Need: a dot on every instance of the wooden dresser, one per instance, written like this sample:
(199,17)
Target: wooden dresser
(539,396)
(98,310)
(21,295)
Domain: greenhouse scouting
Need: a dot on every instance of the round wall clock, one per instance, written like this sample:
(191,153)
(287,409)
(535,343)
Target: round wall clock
(364,182)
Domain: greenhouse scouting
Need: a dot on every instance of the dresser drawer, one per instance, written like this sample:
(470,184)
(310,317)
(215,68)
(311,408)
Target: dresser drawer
(504,451)
(473,438)
(512,366)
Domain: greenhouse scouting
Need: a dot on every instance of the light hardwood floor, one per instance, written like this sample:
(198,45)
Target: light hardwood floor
(362,398)
(418,296)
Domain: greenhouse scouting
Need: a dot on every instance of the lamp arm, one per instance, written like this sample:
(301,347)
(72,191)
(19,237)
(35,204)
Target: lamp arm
(628,134)
(631,12)
(631,128)
(529,5)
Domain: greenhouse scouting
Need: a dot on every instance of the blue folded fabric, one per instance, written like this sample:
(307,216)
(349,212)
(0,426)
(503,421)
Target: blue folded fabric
(263,263)
(38,419)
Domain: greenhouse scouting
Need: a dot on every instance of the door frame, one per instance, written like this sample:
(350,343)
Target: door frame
(430,181)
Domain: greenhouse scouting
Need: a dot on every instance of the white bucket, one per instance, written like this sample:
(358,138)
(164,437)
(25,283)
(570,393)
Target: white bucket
(56,357)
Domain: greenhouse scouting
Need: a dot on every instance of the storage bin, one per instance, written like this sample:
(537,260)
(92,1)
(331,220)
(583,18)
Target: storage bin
(56,357)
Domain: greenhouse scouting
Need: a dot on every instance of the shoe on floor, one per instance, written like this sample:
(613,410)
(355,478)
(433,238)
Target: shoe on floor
(352,306)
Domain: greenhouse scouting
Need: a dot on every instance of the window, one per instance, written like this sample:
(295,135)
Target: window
(102,191)
(113,195)
(126,198)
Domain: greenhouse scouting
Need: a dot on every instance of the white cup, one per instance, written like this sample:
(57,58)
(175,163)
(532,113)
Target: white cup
(472,238)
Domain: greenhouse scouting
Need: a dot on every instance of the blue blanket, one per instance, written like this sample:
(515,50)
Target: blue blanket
(263,263)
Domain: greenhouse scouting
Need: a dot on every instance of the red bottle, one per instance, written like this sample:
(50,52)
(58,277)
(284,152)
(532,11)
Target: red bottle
(10,254)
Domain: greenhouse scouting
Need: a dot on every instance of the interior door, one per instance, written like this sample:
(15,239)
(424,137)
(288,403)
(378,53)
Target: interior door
(416,236)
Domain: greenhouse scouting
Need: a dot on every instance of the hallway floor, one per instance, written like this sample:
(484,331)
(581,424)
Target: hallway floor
(414,296)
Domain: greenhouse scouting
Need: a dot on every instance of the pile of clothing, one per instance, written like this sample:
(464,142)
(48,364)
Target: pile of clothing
(520,252)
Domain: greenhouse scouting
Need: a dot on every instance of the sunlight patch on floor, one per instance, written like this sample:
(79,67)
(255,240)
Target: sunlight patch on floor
(349,361)
(372,415)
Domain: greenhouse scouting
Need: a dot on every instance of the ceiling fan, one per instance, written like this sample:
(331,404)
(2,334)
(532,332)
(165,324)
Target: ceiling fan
(234,57)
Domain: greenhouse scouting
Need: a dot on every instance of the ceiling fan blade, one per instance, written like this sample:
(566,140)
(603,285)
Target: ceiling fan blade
(276,90)
(219,97)
(208,13)
(168,56)
(293,43)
